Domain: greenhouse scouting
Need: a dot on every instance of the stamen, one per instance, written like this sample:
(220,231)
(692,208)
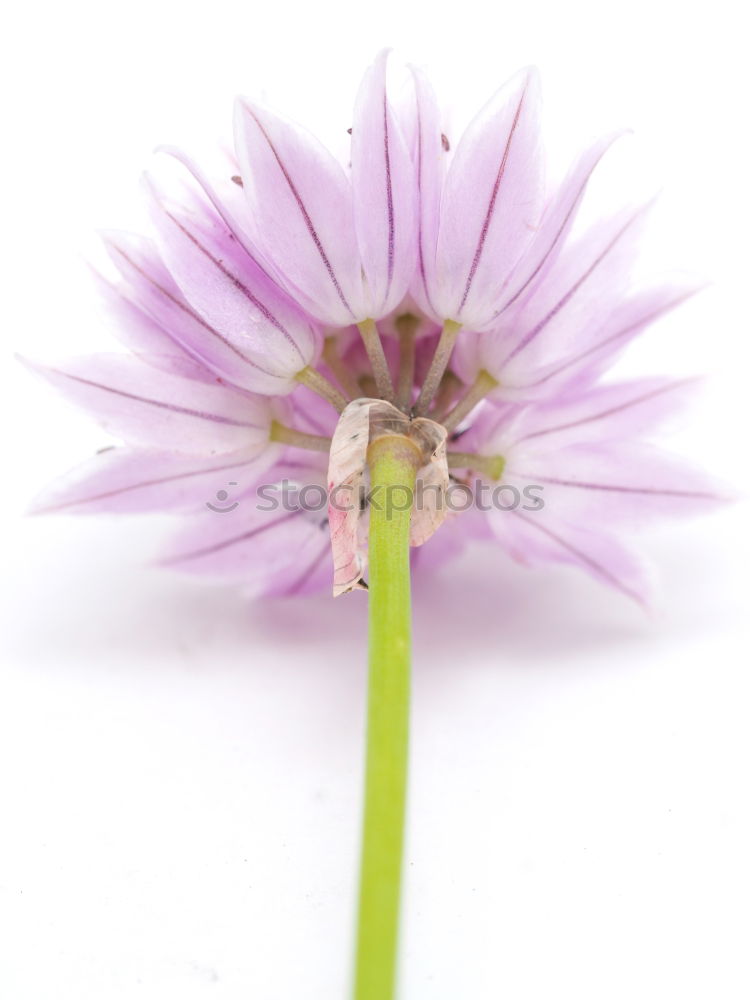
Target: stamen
(491,465)
(300,439)
(320,384)
(438,365)
(450,386)
(367,386)
(407,326)
(332,357)
(482,385)
(376,354)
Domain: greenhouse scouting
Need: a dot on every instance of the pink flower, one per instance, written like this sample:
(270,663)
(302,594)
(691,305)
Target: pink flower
(250,322)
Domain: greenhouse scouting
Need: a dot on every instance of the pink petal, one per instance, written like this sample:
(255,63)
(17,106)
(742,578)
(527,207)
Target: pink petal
(141,405)
(384,192)
(155,317)
(253,333)
(572,323)
(134,481)
(612,482)
(145,337)
(567,311)
(536,540)
(270,553)
(556,223)
(603,413)
(301,203)
(429,163)
(587,360)
(491,205)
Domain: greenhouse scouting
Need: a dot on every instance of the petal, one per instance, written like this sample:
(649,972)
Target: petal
(603,413)
(567,311)
(134,481)
(384,193)
(301,202)
(144,406)
(491,205)
(270,552)
(586,361)
(614,483)
(144,336)
(569,314)
(556,223)
(429,164)
(253,332)
(155,319)
(535,540)
(224,190)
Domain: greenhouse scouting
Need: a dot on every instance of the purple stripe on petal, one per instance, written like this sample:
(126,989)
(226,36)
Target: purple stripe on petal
(619,488)
(420,246)
(235,540)
(309,570)
(571,194)
(605,413)
(185,307)
(389,197)
(260,306)
(305,214)
(143,484)
(428,181)
(213,417)
(587,560)
(621,334)
(536,330)
(491,207)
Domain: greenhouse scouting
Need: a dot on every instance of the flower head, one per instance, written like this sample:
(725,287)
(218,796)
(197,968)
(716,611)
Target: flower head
(301,300)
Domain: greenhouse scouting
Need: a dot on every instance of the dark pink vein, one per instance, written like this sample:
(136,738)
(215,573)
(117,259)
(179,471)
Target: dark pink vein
(586,559)
(260,306)
(558,235)
(144,484)
(235,540)
(644,321)
(535,331)
(619,488)
(604,413)
(184,307)
(199,414)
(491,207)
(389,197)
(309,569)
(305,214)
(420,171)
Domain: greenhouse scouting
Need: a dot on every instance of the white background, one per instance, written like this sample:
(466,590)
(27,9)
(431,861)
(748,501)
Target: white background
(181,771)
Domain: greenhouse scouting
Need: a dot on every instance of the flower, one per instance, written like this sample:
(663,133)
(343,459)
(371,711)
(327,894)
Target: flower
(445,284)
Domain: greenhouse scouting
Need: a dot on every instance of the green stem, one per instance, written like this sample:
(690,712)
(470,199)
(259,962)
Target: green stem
(393,462)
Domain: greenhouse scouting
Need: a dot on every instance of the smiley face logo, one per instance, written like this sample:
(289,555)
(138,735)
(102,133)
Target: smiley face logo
(222,496)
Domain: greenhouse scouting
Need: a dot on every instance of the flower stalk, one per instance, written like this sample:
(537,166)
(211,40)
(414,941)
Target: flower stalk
(482,386)
(319,384)
(282,434)
(332,357)
(393,462)
(407,326)
(374,347)
(437,367)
